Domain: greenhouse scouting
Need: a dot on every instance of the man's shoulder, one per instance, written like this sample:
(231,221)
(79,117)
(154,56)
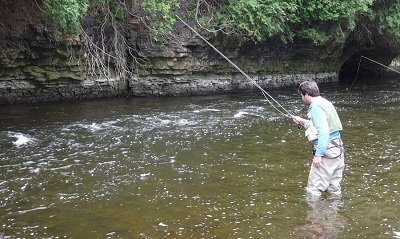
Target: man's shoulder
(322,101)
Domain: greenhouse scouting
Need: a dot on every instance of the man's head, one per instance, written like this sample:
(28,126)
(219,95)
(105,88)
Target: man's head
(309,88)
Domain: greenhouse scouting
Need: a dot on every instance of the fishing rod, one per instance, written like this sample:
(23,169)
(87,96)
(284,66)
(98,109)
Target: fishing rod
(359,63)
(265,93)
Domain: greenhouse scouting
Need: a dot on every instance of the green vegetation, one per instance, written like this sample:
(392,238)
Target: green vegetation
(320,21)
(114,9)
(66,14)
(317,20)
(158,13)
(390,19)
(259,20)
(324,20)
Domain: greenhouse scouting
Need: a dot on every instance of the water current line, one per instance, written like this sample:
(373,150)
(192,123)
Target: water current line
(266,95)
(358,68)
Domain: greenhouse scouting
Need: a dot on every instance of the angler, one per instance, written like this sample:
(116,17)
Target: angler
(323,129)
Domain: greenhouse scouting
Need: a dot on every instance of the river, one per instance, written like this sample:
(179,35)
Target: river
(225,166)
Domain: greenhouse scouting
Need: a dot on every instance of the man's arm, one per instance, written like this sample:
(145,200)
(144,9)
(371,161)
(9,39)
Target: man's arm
(320,122)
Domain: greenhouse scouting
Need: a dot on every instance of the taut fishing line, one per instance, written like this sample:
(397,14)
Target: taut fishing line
(266,95)
(359,63)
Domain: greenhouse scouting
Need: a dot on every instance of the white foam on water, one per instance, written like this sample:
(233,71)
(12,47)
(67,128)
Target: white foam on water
(185,122)
(32,210)
(144,176)
(206,110)
(93,127)
(166,121)
(163,224)
(22,139)
(240,114)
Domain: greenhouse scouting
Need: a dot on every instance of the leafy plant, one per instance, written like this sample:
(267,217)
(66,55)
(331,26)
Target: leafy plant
(115,10)
(158,13)
(317,20)
(318,37)
(259,20)
(390,19)
(65,13)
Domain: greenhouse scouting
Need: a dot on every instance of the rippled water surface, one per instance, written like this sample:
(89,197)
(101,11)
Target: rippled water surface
(196,167)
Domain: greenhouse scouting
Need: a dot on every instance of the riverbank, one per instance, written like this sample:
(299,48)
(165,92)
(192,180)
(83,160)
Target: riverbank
(29,91)
(38,65)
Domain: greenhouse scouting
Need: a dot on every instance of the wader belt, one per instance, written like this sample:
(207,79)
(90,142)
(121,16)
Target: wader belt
(340,146)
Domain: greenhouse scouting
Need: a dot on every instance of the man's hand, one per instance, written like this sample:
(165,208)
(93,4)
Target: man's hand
(297,120)
(317,161)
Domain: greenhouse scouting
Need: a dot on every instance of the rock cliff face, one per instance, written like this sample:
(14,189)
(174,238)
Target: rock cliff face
(38,66)
(47,70)
(190,66)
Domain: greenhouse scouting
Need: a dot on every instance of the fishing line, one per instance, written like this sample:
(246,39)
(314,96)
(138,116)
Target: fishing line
(359,63)
(266,95)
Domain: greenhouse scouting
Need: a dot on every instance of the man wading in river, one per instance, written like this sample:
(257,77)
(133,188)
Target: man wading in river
(323,129)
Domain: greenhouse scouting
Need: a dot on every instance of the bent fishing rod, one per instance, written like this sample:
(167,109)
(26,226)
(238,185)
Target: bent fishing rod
(267,96)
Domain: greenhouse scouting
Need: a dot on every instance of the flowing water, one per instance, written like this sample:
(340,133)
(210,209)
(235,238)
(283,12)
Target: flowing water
(196,167)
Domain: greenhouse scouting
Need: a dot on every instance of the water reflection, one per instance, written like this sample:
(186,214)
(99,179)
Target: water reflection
(323,220)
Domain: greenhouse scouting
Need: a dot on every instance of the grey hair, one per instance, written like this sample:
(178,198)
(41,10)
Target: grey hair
(309,87)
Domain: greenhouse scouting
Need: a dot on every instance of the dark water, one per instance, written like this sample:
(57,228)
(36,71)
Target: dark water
(198,167)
